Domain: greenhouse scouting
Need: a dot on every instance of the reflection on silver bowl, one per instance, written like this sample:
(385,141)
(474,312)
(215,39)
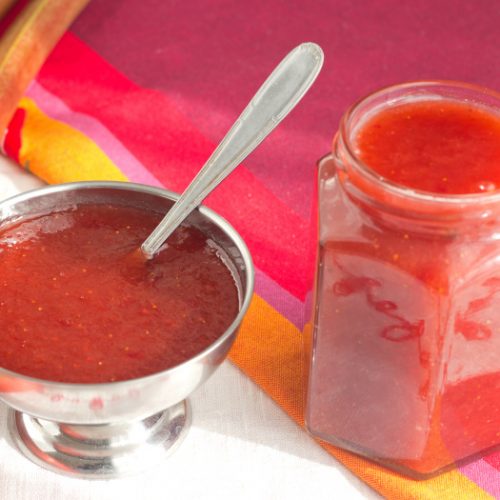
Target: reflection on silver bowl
(114,429)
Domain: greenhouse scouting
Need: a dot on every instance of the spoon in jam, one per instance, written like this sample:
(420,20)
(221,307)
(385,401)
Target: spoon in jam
(279,94)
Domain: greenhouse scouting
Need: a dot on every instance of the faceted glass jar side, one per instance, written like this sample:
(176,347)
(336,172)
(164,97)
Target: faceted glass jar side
(404,364)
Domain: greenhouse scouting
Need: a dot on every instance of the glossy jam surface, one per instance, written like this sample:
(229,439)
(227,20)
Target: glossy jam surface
(76,305)
(406,365)
(444,147)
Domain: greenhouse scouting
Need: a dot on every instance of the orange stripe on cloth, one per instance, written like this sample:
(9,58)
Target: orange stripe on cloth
(46,142)
(270,350)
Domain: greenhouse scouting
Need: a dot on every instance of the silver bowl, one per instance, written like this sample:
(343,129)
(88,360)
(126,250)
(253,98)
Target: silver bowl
(115,429)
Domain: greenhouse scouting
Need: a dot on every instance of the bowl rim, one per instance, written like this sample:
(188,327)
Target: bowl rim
(210,214)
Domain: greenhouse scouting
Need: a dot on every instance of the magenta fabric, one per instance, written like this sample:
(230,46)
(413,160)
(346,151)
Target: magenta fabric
(211,57)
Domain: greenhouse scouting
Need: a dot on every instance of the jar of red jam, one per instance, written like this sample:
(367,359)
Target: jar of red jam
(404,364)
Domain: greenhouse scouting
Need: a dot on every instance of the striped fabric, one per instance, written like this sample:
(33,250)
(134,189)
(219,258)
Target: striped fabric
(83,119)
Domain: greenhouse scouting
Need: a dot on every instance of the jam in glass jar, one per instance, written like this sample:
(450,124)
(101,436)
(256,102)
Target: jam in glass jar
(404,364)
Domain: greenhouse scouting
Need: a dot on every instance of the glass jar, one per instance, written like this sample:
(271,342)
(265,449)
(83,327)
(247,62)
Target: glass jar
(404,363)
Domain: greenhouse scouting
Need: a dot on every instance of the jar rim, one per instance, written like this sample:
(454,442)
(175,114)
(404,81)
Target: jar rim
(399,190)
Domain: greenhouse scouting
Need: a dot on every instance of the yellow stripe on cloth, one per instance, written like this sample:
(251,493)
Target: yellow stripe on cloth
(57,153)
(270,350)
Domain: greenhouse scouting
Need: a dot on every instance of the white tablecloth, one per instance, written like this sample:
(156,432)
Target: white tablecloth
(240,445)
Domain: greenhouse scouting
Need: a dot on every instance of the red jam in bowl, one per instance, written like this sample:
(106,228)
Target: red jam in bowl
(76,306)
(405,351)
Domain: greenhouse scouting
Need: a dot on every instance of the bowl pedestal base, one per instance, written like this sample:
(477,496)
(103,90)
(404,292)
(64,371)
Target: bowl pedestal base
(101,451)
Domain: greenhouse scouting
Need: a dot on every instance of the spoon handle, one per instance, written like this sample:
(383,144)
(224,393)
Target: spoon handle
(279,94)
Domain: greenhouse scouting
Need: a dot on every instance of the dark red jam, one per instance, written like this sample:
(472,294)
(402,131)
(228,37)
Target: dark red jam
(76,306)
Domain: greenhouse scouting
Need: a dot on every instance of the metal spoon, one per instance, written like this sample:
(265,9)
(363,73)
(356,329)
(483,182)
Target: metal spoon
(279,94)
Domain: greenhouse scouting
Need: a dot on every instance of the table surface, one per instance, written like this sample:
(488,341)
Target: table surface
(240,444)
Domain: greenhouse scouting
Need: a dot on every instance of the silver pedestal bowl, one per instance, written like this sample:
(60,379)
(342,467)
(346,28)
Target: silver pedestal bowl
(120,428)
